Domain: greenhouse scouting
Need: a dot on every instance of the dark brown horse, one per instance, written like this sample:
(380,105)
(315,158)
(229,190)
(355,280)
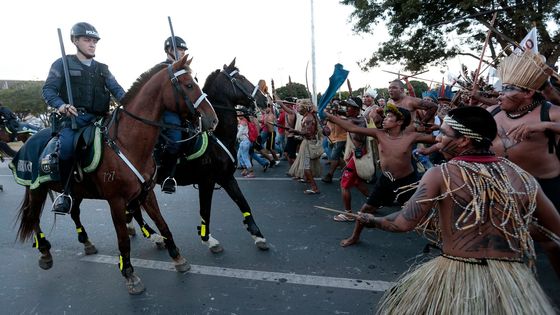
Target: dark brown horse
(125,175)
(226,88)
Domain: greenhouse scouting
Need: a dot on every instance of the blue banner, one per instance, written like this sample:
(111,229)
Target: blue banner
(335,81)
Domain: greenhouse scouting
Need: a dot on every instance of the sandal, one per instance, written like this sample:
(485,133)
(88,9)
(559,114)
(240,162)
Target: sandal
(310,192)
(343,218)
(250,175)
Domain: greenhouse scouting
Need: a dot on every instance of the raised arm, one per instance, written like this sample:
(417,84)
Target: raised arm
(414,210)
(351,127)
(430,108)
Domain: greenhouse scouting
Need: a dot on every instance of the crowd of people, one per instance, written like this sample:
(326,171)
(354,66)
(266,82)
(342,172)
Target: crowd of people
(488,187)
(478,172)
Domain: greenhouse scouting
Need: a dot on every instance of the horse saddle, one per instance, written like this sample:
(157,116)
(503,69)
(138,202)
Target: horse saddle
(38,159)
(190,150)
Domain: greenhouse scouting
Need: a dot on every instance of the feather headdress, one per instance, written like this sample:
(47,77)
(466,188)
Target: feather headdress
(525,70)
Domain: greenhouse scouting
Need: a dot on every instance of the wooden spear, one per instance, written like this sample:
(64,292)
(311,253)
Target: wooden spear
(475,81)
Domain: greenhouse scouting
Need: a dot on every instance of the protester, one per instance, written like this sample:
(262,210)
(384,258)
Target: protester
(479,208)
(395,144)
(92,85)
(306,165)
(412,104)
(337,138)
(243,155)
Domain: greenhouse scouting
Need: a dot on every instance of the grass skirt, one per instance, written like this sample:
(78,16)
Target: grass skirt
(446,286)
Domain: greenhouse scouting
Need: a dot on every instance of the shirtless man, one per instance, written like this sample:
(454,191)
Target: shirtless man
(292,142)
(270,122)
(395,144)
(486,251)
(412,104)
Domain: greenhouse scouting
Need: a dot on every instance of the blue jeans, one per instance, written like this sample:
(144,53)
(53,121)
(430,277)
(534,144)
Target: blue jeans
(66,135)
(326,146)
(243,155)
(173,134)
(262,161)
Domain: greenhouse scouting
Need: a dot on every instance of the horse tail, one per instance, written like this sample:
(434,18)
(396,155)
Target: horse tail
(5,148)
(29,212)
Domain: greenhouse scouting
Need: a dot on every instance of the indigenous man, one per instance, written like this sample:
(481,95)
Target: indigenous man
(395,150)
(412,104)
(479,209)
(292,142)
(305,166)
(524,136)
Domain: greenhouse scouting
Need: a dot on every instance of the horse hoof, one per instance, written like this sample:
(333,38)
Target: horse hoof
(262,245)
(158,240)
(46,263)
(134,285)
(131,230)
(260,242)
(216,249)
(89,248)
(181,264)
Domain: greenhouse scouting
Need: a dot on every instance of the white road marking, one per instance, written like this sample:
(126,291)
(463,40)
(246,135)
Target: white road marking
(291,278)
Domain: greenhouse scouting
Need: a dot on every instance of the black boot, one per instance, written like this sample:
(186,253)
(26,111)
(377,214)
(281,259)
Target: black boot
(167,171)
(63,203)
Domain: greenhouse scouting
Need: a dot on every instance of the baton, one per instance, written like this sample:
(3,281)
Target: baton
(67,78)
(173,39)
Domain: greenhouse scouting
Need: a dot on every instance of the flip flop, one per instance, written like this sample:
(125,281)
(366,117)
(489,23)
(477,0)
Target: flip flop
(310,192)
(343,218)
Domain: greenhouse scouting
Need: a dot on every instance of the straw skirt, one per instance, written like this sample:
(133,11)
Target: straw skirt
(447,286)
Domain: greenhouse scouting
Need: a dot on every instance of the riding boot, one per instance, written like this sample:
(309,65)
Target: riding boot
(167,171)
(63,202)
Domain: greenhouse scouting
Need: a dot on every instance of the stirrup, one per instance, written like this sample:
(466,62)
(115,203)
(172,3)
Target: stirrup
(170,189)
(57,202)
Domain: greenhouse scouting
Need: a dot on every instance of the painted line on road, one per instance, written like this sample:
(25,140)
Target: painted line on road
(291,278)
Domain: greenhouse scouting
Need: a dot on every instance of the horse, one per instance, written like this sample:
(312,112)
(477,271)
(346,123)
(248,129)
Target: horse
(22,135)
(125,175)
(226,88)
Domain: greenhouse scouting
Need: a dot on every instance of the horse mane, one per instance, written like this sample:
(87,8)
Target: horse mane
(210,79)
(139,83)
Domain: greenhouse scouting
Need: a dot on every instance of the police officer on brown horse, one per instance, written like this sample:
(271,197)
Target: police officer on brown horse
(92,85)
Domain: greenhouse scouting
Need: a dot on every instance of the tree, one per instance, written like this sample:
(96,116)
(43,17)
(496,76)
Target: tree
(427,33)
(24,97)
(292,89)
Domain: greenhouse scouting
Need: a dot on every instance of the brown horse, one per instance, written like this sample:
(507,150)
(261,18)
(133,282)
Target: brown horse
(226,89)
(125,176)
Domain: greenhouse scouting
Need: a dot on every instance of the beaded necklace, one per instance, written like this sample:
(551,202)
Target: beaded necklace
(494,199)
(523,110)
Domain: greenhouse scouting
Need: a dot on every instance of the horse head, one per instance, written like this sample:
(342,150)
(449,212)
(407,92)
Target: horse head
(186,94)
(239,91)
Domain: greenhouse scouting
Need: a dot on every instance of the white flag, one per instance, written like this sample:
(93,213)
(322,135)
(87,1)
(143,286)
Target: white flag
(529,42)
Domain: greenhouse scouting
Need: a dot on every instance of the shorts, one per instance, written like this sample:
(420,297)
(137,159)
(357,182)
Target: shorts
(271,141)
(385,191)
(291,146)
(337,151)
(350,176)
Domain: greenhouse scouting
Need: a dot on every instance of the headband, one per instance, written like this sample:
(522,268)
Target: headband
(462,129)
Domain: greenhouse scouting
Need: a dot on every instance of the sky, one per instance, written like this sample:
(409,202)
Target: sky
(270,39)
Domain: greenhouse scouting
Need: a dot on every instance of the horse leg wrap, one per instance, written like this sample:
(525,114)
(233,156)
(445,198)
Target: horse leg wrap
(171,248)
(40,242)
(203,232)
(251,225)
(82,235)
(125,266)
(147,231)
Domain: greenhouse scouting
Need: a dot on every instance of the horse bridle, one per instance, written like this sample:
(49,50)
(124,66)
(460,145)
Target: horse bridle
(235,83)
(178,90)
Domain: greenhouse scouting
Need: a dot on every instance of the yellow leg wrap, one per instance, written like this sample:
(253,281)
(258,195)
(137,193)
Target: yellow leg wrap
(203,230)
(246,214)
(121,263)
(145,231)
(79,230)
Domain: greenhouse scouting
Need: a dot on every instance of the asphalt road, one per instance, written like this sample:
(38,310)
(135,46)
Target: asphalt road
(304,272)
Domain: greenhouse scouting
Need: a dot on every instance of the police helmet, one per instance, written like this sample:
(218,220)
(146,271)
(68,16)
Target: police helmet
(83,29)
(178,41)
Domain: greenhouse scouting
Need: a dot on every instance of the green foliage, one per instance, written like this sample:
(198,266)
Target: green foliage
(419,87)
(293,90)
(24,97)
(427,33)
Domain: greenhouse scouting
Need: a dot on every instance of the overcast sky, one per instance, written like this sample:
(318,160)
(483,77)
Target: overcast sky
(271,39)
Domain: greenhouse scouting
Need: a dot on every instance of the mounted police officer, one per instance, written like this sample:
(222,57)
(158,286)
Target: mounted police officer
(92,85)
(9,119)
(171,151)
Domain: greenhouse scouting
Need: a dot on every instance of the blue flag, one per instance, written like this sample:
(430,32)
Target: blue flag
(335,81)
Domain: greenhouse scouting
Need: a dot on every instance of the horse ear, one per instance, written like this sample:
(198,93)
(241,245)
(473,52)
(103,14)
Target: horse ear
(189,61)
(232,64)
